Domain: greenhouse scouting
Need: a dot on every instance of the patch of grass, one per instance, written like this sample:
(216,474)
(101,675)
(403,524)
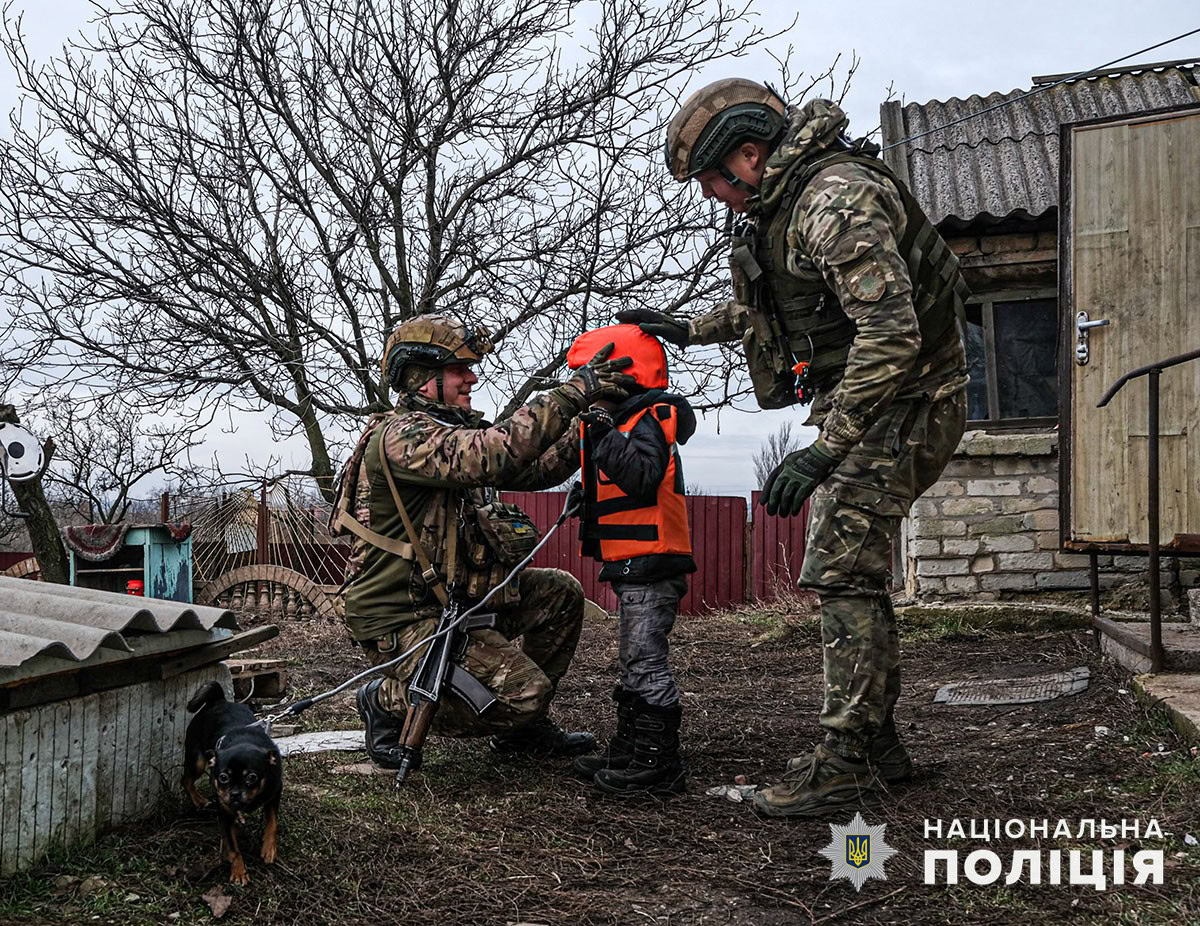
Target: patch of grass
(918,623)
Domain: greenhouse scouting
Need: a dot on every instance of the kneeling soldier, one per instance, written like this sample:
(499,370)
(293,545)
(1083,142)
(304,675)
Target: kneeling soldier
(417,496)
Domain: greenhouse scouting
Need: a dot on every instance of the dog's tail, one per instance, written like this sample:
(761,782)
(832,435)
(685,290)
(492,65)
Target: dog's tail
(208,693)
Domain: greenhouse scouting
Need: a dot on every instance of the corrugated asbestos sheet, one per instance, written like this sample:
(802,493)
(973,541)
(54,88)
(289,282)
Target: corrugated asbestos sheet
(73,623)
(1004,163)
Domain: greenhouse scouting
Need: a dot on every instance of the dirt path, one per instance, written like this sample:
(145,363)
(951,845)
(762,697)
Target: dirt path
(474,840)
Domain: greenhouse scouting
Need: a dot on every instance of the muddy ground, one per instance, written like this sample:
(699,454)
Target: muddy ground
(474,840)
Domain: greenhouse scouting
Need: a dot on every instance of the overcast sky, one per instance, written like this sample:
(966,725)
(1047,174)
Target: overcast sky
(924,50)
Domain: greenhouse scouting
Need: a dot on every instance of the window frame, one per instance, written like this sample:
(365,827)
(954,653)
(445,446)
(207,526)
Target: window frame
(986,303)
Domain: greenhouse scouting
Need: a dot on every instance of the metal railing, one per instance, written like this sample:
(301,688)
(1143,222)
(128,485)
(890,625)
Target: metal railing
(1153,371)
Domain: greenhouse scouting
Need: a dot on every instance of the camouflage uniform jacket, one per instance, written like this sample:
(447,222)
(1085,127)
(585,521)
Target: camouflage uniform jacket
(846,216)
(446,462)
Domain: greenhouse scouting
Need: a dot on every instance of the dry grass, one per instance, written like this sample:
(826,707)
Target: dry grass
(475,840)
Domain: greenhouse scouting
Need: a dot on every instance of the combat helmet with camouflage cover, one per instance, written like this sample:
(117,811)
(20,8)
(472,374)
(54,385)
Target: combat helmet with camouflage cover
(715,119)
(431,342)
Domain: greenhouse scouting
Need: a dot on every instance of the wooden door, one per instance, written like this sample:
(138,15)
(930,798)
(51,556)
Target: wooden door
(1132,253)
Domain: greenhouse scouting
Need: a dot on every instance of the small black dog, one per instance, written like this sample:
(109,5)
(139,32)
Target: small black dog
(245,767)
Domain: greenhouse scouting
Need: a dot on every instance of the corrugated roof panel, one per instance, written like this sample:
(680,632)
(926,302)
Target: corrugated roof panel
(73,623)
(1005,162)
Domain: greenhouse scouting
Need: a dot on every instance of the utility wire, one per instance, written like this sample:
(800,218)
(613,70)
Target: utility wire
(1096,70)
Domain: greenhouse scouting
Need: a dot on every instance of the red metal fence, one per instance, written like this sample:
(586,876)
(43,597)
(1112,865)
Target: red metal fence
(777,548)
(736,560)
(741,555)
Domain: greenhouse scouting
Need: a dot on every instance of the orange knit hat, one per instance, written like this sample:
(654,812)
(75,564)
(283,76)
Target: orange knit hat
(649,359)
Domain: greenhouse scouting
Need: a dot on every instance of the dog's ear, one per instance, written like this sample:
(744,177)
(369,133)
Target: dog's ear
(273,758)
(211,755)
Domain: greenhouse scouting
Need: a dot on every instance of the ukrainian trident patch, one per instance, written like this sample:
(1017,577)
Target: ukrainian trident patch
(858,850)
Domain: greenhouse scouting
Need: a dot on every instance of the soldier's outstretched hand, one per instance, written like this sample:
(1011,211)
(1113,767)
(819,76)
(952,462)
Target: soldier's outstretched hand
(601,378)
(796,478)
(658,324)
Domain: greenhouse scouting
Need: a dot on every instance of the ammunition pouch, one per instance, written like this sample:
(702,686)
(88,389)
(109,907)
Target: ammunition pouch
(769,366)
(495,540)
(508,531)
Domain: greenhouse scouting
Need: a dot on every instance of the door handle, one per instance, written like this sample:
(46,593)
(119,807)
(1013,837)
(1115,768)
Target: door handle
(1083,325)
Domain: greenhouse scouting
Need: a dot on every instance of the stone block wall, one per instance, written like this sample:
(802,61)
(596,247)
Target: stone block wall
(989,528)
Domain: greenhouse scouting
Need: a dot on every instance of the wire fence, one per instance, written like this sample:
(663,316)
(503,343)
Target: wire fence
(281,522)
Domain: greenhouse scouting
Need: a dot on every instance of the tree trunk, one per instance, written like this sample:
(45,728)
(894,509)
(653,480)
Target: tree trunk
(322,466)
(43,528)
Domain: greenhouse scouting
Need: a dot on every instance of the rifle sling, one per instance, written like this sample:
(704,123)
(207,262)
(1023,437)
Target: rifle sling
(429,574)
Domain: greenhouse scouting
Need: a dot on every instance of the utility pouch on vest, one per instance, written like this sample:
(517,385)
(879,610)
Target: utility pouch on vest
(509,531)
(770,367)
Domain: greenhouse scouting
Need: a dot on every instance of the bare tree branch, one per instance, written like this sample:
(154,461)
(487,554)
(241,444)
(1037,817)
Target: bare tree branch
(230,202)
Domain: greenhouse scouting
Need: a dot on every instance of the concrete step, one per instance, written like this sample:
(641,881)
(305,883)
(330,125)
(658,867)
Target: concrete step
(1179,694)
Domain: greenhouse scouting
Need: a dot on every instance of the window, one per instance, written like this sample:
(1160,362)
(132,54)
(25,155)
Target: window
(1012,358)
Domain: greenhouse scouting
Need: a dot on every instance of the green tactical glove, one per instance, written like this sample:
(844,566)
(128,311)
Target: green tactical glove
(658,324)
(601,378)
(796,478)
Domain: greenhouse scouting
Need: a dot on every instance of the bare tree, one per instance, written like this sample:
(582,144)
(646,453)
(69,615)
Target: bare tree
(777,446)
(233,200)
(38,521)
(103,452)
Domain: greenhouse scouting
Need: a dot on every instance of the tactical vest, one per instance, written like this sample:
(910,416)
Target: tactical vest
(797,319)
(387,585)
(615,526)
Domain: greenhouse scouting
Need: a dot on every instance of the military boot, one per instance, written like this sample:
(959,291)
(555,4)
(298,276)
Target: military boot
(656,767)
(819,784)
(888,756)
(543,737)
(619,751)
(383,727)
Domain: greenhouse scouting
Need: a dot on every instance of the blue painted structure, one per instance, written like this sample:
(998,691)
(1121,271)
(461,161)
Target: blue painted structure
(150,553)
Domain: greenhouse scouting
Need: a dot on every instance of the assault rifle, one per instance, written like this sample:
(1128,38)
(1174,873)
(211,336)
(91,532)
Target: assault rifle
(440,667)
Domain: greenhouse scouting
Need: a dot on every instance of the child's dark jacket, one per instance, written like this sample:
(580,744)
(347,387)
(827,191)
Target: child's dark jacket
(637,462)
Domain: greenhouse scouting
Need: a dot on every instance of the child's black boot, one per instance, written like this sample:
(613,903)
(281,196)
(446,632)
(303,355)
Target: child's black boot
(656,767)
(619,752)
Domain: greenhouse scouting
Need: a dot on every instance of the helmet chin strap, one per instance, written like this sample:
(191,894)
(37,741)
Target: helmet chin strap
(441,389)
(735,181)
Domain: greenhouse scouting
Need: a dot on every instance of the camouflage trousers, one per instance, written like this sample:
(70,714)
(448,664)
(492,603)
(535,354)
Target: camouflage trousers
(854,516)
(523,676)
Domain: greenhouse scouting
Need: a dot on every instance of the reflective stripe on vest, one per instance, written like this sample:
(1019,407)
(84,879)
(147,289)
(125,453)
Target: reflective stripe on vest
(625,527)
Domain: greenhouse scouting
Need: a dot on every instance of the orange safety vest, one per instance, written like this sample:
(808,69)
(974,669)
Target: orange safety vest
(626,527)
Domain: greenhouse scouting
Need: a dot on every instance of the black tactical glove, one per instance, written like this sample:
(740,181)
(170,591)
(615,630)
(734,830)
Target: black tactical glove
(601,378)
(574,499)
(796,478)
(658,324)
(599,421)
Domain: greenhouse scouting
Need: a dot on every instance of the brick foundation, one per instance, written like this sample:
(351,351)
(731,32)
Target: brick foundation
(989,527)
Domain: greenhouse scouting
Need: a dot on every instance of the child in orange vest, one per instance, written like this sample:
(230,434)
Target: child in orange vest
(633,518)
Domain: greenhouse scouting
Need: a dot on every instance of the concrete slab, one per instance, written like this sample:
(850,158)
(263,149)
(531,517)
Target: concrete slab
(1026,690)
(328,741)
(1129,644)
(1179,694)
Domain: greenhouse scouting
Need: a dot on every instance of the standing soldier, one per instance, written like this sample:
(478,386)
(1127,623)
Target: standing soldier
(845,296)
(417,497)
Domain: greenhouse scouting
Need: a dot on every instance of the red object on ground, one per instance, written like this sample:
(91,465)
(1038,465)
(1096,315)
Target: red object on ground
(135,587)
(649,359)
